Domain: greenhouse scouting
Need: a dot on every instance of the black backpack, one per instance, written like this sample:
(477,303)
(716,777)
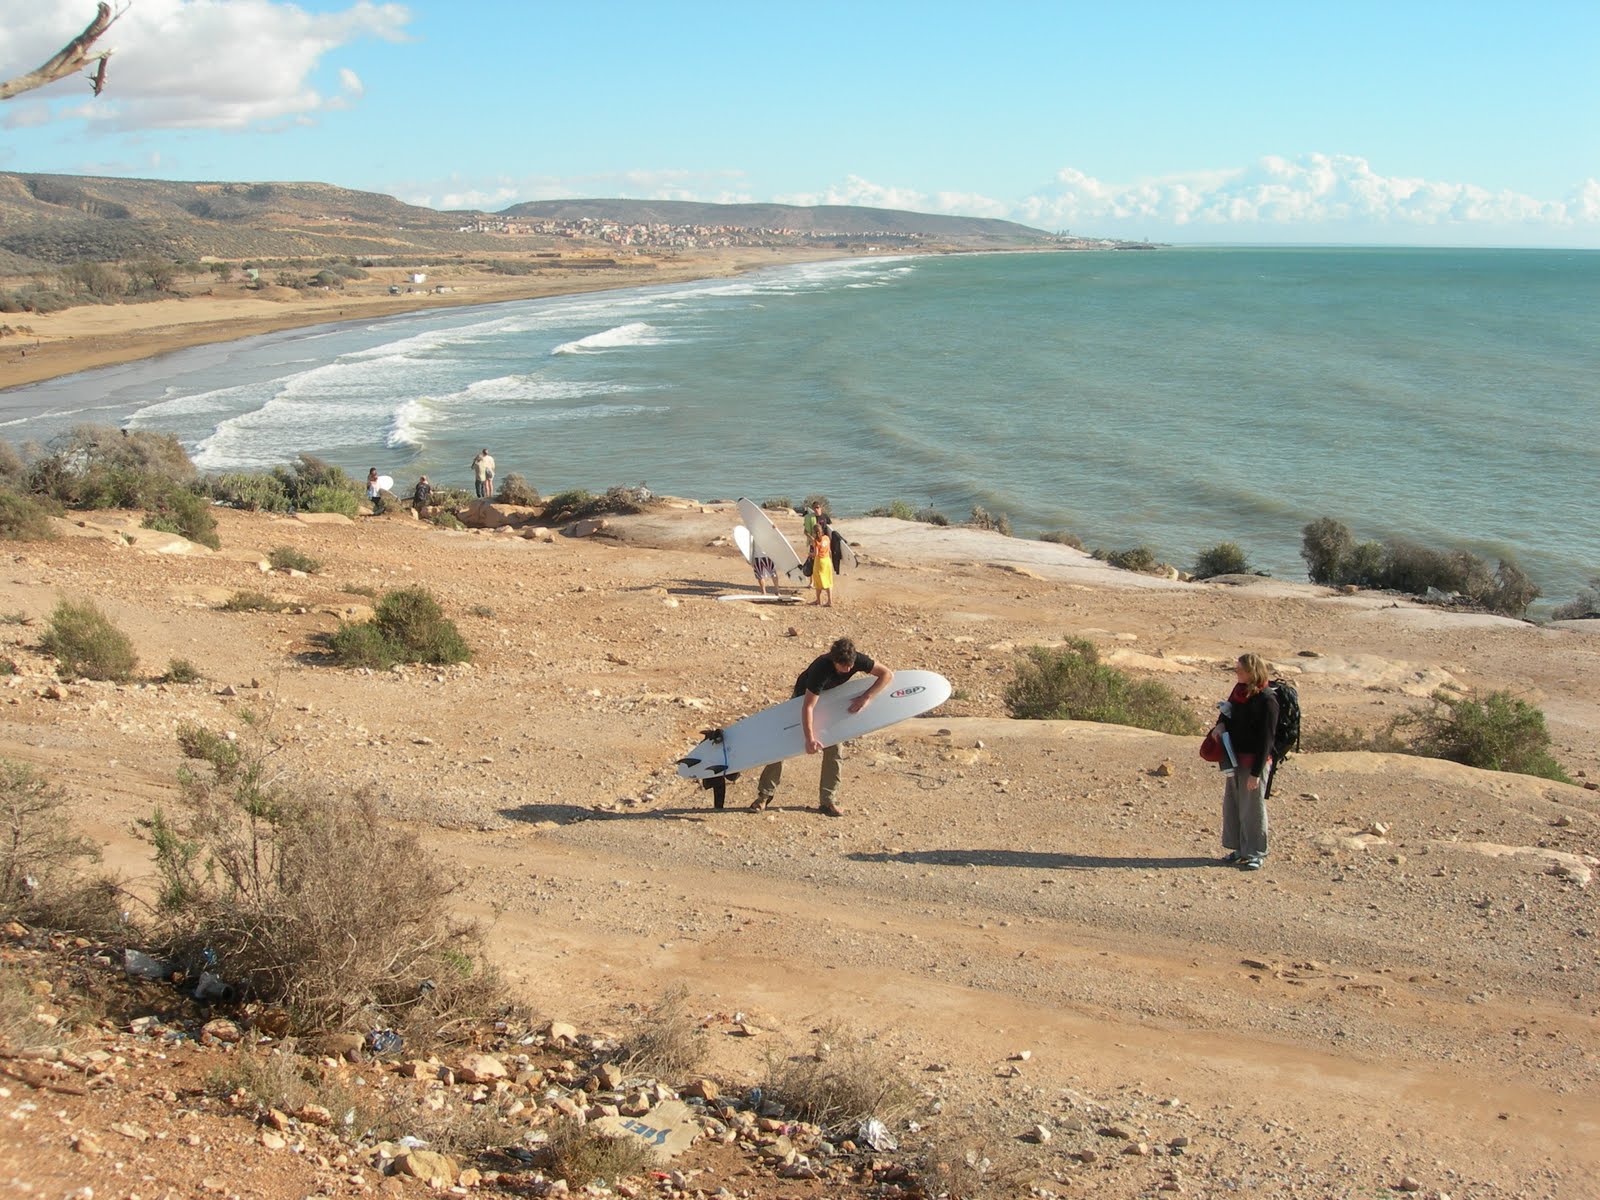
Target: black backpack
(1286,736)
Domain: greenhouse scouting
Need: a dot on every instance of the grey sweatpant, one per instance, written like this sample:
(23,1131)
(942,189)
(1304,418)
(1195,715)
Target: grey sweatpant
(1244,813)
(772,775)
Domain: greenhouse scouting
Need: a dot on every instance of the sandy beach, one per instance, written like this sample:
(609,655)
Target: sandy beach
(79,339)
(1407,991)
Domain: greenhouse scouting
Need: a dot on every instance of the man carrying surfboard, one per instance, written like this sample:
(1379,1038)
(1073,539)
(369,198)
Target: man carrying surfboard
(827,671)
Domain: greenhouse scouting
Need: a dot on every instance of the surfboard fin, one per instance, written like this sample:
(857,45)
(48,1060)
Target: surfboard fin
(688,762)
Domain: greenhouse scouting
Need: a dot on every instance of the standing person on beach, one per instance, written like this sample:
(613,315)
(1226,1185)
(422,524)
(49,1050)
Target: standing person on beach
(822,566)
(483,474)
(374,492)
(827,671)
(814,517)
(1250,725)
(422,496)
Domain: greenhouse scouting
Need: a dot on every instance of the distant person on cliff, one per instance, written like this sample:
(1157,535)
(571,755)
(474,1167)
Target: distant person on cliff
(483,474)
(1250,724)
(841,662)
(422,496)
(374,492)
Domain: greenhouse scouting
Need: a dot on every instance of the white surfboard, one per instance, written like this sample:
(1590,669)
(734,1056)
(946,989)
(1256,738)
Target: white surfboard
(774,734)
(386,483)
(766,539)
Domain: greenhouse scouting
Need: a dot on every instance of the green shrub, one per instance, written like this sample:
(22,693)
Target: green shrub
(86,645)
(407,627)
(1135,558)
(252,491)
(568,506)
(181,670)
(1225,558)
(1072,684)
(445,519)
(1062,537)
(307,897)
(37,841)
(1584,605)
(287,558)
(1497,733)
(12,468)
(514,489)
(326,498)
(581,1155)
(23,518)
(816,498)
(898,509)
(252,601)
(178,510)
(1326,545)
(778,504)
(929,515)
(577,503)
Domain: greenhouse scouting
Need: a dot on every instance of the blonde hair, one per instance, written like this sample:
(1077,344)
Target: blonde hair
(1256,668)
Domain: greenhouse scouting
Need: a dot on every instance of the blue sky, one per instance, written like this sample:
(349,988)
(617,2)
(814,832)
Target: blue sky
(1409,123)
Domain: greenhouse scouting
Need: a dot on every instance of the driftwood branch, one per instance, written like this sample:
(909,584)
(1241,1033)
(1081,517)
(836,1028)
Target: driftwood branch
(69,59)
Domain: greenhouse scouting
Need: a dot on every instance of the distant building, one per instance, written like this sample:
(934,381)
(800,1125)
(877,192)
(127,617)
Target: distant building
(419,277)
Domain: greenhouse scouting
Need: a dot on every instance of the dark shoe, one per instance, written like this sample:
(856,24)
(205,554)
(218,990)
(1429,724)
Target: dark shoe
(1234,857)
(760,802)
(829,810)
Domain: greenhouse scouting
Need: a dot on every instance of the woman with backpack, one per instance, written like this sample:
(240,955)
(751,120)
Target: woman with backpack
(1250,724)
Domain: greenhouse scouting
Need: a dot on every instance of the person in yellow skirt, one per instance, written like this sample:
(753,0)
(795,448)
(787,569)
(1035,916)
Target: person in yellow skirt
(822,566)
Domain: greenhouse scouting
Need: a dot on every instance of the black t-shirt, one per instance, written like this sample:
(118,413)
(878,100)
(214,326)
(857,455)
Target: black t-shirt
(820,675)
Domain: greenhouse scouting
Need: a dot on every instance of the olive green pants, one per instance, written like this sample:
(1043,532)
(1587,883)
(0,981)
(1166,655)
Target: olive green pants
(772,775)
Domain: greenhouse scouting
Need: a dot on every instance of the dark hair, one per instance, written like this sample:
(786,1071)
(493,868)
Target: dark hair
(843,652)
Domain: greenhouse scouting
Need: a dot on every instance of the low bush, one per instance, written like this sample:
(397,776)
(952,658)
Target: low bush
(445,519)
(931,516)
(845,1078)
(1225,558)
(981,519)
(514,489)
(287,558)
(1062,537)
(1584,605)
(325,498)
(778,504)
(668,1043)
(251,491)
(1498,732)
(1334,557)
(24,518)
(1072,684)
(578,504)
(580,1155)
(312,485)
(249,601)
(86,645)
(898,509)
(181,670)
(1135,558)
(816,498)
(569,505)
(176,509)
(12,468)
(307,899)
(40,854)
(408,626)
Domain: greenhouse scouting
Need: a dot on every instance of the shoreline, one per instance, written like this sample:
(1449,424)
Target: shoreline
(91,336)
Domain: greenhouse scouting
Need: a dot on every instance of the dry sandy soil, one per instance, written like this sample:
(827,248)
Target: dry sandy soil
(1368,1008)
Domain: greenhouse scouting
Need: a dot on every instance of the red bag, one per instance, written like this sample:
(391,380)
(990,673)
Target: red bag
(1211,748)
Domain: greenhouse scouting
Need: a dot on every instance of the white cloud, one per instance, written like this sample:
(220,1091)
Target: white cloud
(1280,197)
(856,190)
(202,64)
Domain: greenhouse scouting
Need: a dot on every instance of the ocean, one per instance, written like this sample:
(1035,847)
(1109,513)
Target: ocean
(1174,397)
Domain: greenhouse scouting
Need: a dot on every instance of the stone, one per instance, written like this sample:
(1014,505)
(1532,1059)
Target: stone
(608,1076)
(85,1144)
(273,1141)
(470,1178)
(314,1114)
(278,1119)
(480,1068)
(1086,1156)
(703,1089)
(437,1170)
(587,528)
(131,1131)
(1164,771)
(221,1030)
(1138,1149)
(560,1031)
(1039,1135)
(484,514)
(1115,1131)
(1408,1184)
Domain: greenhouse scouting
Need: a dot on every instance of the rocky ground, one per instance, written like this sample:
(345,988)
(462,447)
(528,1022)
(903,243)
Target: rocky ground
(1027,919)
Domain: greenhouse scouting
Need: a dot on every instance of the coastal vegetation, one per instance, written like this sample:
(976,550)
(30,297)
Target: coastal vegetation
(287,558)
(515,489)
(408,626)
(86,645)
(1070,683)
(1225,558)
(40,854)
(1583,606)
(1135,558)
(1334,557)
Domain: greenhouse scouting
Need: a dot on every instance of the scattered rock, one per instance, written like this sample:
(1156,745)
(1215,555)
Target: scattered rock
(438,1171)
(480,1068)
(1039,1135)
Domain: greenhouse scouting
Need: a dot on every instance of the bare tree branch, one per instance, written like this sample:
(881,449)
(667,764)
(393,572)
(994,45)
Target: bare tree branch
(70,58)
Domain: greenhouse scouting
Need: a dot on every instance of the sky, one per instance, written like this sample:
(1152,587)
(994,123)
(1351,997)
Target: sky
(1468,123)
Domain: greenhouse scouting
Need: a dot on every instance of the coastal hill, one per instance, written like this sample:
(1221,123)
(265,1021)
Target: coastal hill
(52,220)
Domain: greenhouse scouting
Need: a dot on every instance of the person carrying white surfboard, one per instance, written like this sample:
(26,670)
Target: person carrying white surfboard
(374,489)
(827,671)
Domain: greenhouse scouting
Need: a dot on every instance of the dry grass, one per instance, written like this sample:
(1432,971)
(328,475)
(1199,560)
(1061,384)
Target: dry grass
(845,1077)
(668,1043)
(581,1155)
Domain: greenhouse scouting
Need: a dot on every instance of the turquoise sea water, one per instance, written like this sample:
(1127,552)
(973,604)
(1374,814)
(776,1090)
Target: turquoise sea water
(1176,397)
